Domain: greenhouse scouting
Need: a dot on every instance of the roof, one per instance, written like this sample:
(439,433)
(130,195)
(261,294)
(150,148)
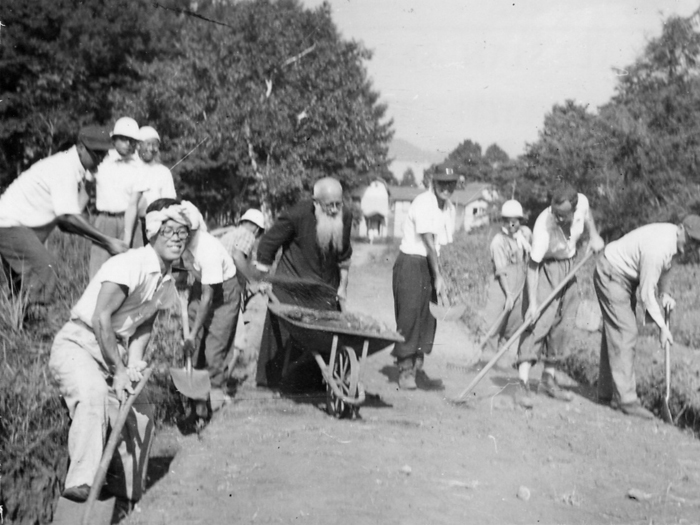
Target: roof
(471,192)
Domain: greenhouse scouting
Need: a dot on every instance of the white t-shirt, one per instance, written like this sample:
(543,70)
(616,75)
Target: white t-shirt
(548,239)
(208,260)
(157,181)
(643,256)
(425,216)
(149,290)
(52,187)
(117,178)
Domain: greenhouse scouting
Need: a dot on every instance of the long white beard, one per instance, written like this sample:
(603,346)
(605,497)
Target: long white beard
(329,231)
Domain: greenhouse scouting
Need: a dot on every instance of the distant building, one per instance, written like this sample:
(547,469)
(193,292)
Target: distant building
(471,204)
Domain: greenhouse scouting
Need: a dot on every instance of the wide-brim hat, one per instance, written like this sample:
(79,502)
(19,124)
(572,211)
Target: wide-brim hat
(95,138)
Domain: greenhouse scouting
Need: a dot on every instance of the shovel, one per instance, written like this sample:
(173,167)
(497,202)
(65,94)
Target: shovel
(193,384)
(516,336)
(665,410)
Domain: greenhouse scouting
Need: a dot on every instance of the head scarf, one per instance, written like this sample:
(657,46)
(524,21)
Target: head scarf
(185,213)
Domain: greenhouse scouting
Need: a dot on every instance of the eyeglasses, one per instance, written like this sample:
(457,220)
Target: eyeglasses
(182,234)
(336,205)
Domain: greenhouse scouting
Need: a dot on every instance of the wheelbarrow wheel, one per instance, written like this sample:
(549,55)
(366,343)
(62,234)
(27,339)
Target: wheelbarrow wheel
(345,372)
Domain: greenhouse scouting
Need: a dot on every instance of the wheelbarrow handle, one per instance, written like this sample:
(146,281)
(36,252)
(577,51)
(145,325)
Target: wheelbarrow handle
(516,336)
(111,446)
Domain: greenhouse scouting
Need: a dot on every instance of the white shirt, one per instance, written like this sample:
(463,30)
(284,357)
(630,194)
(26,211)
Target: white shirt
(52,187)
(148,290)
(643,256)
(117,178)
(548,239)
(157,181)
(425,216)
(208,260)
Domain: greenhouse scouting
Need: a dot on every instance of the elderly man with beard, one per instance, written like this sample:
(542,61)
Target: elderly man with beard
(315,239)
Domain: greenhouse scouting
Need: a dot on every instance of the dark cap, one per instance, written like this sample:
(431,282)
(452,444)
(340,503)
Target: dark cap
(445,173)
(95,137)
(692,226)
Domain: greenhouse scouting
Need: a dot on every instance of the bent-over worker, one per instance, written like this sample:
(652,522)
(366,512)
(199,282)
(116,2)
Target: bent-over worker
(641,259)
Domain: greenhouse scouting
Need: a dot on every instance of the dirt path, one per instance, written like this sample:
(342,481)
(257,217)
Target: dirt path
(414,458)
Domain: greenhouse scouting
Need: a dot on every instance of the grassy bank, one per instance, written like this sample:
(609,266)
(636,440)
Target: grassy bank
(33,420)
(468,268)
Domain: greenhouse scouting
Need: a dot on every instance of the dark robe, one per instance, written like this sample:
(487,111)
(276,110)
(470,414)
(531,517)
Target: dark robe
(302,259)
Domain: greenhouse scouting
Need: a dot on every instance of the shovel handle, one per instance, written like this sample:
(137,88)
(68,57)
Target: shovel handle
(525,325)
(498,322)
(111,445)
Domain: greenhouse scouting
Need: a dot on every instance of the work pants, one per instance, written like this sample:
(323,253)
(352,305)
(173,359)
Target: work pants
(413,288)
(112,226)
(495,304)
(548,340)
(77,364)
(214,342)
(617,299)
(29,267)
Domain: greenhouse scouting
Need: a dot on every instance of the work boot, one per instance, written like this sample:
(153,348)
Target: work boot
(635,409)
(407,374)
(549,386)
(78,494)
(522,396)
(423,380)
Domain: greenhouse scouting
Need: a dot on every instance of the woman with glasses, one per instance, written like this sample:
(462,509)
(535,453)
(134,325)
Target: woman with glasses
(510,249)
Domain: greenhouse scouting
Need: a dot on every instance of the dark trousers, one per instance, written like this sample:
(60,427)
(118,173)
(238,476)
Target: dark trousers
(214,343)
(413,289)
(28,265)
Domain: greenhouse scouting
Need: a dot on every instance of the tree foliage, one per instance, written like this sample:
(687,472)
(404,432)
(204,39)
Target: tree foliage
(262,97)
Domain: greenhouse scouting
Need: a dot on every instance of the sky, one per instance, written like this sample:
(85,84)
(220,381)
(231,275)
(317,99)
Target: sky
(490,70)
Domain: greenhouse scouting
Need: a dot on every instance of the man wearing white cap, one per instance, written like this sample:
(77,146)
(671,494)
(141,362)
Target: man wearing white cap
(641,259)
(98,354)
(50,193)
(510,249)
(155,178)
(116,181)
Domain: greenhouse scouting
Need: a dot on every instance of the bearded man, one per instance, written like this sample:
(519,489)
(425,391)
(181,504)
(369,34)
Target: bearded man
(314,237)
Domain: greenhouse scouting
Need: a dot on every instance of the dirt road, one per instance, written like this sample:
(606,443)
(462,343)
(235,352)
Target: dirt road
(413,458)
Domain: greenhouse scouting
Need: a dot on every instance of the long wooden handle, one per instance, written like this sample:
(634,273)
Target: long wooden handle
(525,325)
(498,322)
(667,358)
(112,445)
(185,317)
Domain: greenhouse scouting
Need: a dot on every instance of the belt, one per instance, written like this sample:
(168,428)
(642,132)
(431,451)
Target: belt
(111,214)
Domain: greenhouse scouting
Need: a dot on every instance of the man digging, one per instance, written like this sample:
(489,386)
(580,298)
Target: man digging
(554,238)
(641,259)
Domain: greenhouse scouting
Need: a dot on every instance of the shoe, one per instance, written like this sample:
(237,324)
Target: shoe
(523,396)
(549,386)
(609,402)
(407,380)
(424,382)
(635,409)
(78,494)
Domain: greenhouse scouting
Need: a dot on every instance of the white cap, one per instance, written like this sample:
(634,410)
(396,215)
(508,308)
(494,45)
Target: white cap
(254,216)
(512,209)
(148,133)
(126,127)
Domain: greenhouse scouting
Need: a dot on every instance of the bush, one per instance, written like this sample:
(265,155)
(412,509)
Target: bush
(33,419)
(468,268)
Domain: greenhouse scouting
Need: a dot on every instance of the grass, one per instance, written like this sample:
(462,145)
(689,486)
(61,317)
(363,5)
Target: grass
(467,269)
(33,420)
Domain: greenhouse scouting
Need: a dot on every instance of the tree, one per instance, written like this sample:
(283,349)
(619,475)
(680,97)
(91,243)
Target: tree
(277,97)
(409,178)
(495,156)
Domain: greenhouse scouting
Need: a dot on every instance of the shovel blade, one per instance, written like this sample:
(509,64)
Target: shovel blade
(448,313)
(194,384)
(666,413)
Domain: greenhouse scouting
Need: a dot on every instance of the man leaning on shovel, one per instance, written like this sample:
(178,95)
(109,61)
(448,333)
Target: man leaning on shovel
(99,353)
(554,237)
(641,259)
